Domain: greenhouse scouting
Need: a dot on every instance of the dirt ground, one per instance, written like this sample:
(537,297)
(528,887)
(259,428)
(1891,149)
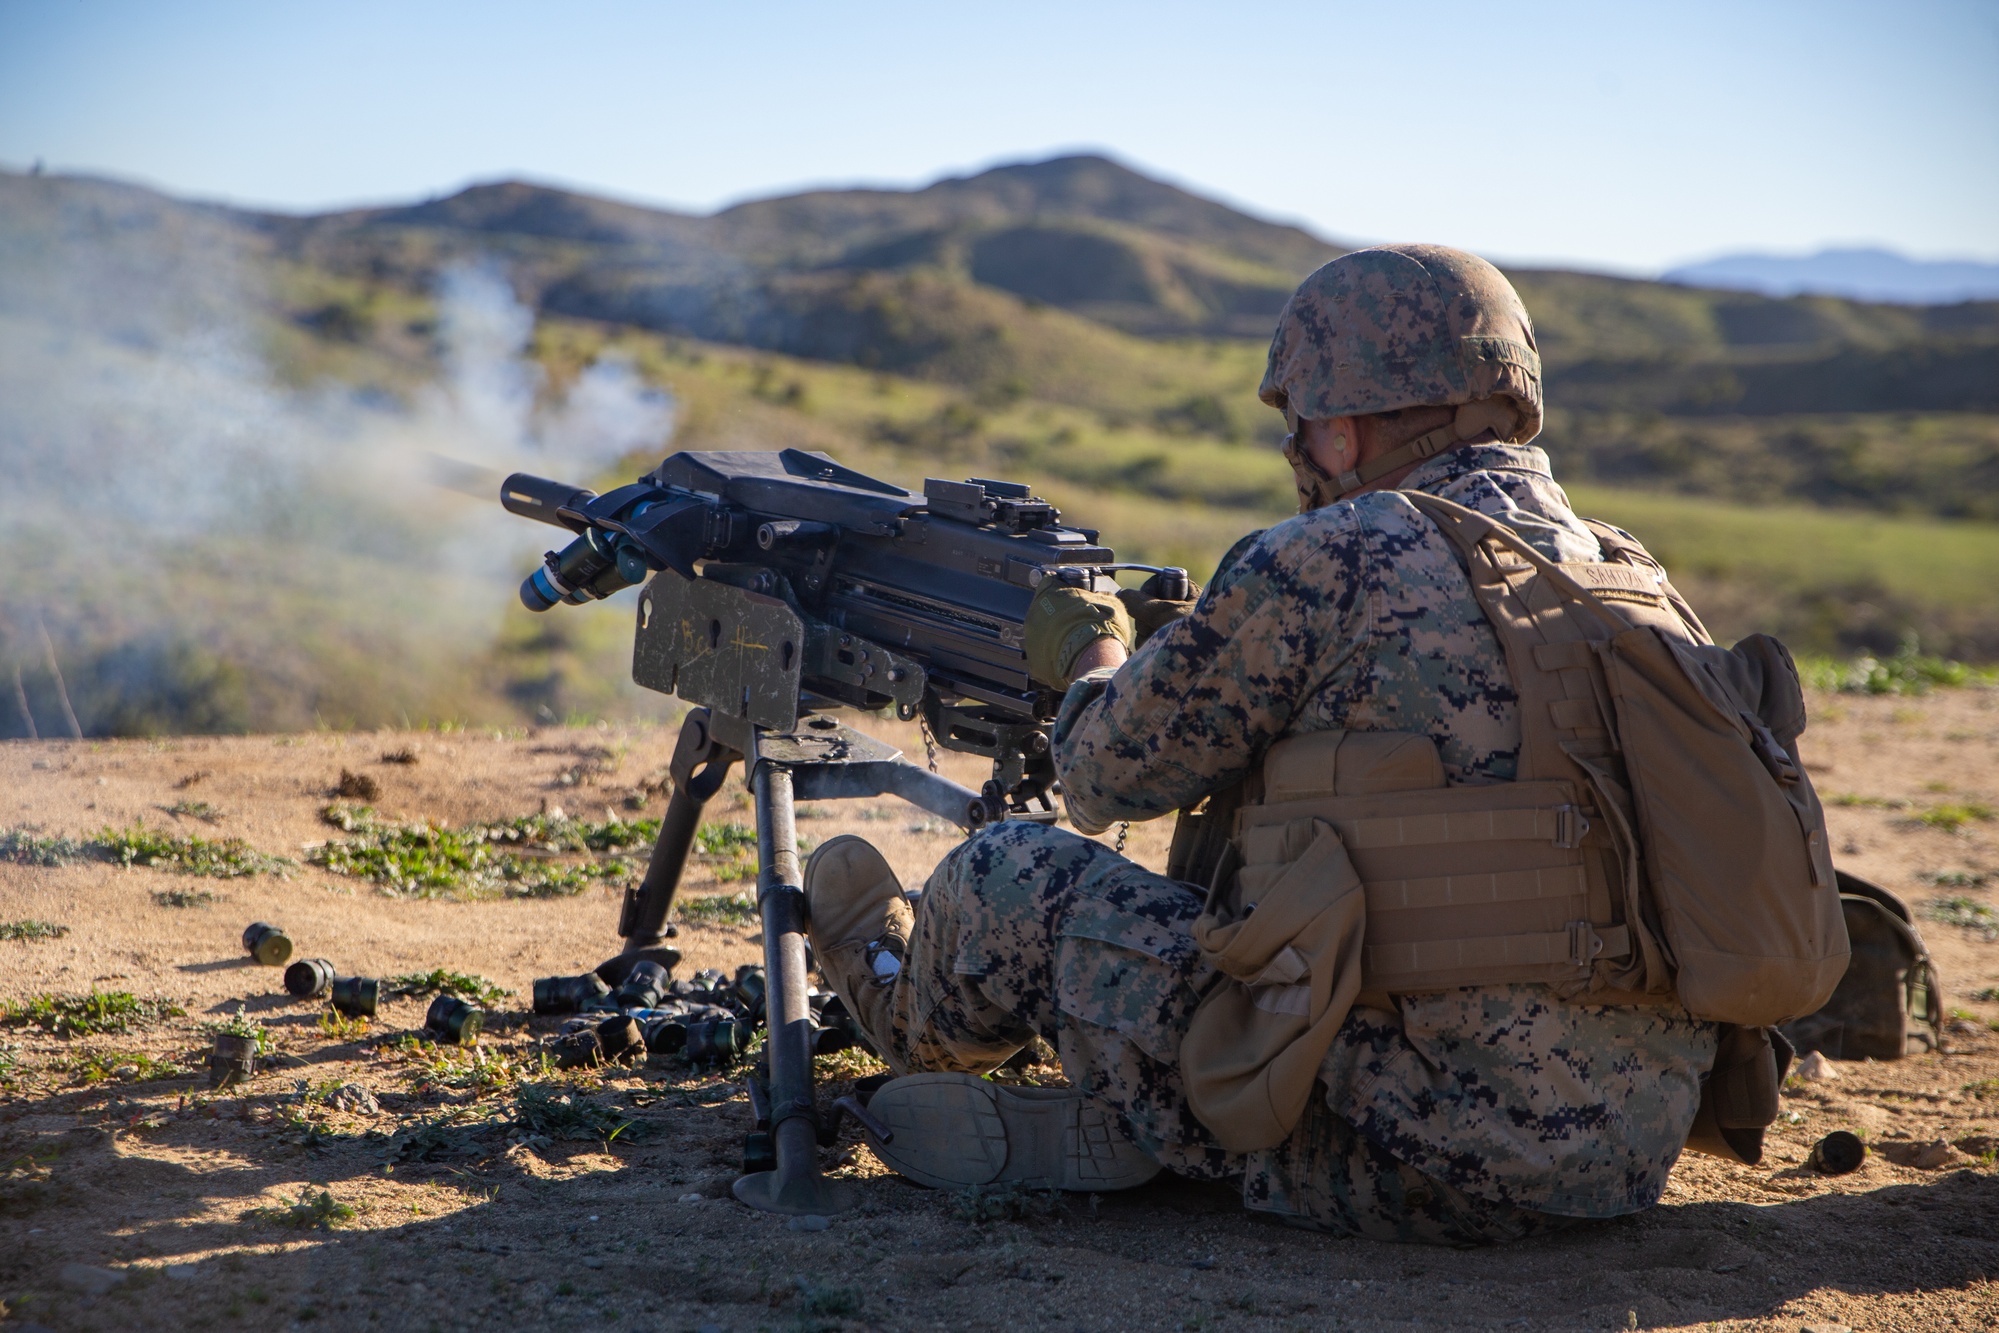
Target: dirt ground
(133,1197)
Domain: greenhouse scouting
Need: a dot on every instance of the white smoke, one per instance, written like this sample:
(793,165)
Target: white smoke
(184,513)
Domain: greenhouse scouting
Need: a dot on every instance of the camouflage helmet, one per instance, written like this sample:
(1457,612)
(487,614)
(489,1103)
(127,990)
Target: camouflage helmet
(1399,326)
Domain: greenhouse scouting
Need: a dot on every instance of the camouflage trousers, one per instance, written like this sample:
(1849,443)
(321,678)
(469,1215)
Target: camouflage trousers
(1028,931)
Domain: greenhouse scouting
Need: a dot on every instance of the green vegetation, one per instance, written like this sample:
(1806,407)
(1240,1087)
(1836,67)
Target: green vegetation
(439,981)
(99,1012)
(29,848)
(201,810)
(736,909)
(183,898)
(30,929)
(225,858)
(132,1067)
(1966,912)
(1007,1202)
(563,1113)
(240,1024)
(312,1211)
(435,860)
(1955,815)
(1909,671)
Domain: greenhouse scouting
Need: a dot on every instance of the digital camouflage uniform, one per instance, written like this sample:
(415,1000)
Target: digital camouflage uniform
(1474,1115)
(1466,1116)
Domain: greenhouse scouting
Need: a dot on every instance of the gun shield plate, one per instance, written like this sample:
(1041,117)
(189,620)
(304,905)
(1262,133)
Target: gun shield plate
(737,652)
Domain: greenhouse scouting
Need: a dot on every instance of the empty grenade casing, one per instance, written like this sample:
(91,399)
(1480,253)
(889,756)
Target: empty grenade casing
(566,995)
(308,978)
(452,1020)
(621,1038)
(751,989)
(266,943)
(643,987)
(233,1060)
(356,997)
(714,1041)
(1838,1153)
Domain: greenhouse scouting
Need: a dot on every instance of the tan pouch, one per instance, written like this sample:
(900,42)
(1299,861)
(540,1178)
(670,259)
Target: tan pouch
(1291,960)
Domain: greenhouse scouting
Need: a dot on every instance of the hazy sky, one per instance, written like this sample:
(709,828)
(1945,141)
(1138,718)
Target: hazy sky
(1618,134)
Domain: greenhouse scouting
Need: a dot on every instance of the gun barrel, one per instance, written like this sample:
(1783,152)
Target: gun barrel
(539,498)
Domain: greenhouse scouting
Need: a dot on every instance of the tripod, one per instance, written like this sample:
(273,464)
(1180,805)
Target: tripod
(819,759)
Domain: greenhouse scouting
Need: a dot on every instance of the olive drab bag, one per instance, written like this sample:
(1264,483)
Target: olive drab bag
(1661,842)
(1890,1002)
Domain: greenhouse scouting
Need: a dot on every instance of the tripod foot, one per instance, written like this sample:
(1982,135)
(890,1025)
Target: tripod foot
(801,1194)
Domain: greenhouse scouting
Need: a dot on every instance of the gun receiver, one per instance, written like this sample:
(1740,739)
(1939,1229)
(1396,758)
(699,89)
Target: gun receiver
(784,582)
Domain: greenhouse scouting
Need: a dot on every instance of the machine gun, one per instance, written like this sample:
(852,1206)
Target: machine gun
(779,586)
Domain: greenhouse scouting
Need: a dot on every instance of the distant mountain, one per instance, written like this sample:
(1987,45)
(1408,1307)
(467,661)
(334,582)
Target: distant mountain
(1865,275)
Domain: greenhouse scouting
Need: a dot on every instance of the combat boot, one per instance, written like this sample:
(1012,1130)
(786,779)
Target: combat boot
(954,1131)
(859,924)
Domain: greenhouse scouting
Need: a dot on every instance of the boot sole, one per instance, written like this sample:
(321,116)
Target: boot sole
(954,1131)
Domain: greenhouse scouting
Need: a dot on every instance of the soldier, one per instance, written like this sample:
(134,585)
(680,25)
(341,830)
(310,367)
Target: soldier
(1468,1116)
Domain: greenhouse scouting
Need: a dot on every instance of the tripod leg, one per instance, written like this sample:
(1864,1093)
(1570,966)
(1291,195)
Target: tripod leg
(795,1187)
(643,921)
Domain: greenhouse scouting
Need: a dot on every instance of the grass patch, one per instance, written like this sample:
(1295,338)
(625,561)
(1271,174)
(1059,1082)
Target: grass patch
(86,1015)
(1853,800)
(201,810)
(183,898)
(336,1026)
(1966,912)
(1955,815)
(477,1069)
(312,1211)
(1954,879)
(480,860)
(1988,995)
(31,929)
(735,909)
(221,858)
(1908,671)
(850,1063)
(440,981)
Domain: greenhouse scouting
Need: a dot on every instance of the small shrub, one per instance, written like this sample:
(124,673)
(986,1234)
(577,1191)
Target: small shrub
(336,1026)
(31,929)
(560,1113)
(201,810)
(240,1024)
(357,787)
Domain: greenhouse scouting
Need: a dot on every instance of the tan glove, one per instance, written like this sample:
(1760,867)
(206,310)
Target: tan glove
(1150,612)
(1062,621)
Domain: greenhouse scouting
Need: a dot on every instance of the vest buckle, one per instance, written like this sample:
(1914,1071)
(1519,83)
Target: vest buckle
(1584,943)
(1571,826)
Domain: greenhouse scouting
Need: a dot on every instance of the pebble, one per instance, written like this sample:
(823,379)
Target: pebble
(809,1222)
(91,1281)
(693,1198)
(1815,1068)
(355,1100)
(183,1272)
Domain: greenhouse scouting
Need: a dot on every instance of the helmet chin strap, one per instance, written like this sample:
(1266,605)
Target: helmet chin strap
(1317,487)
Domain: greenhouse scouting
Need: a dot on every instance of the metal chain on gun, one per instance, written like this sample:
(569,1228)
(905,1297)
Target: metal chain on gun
(929,741)
(1123,833)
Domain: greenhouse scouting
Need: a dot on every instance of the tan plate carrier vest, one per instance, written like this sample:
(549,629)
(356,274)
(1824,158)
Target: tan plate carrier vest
(1661,843)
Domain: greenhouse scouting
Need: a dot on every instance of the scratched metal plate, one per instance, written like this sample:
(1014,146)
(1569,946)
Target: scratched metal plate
(723,647)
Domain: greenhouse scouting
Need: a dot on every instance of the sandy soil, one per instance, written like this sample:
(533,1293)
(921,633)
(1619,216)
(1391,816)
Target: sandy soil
(131,1200)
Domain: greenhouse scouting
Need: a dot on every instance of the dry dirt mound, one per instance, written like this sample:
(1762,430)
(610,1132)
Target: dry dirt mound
(369,1179)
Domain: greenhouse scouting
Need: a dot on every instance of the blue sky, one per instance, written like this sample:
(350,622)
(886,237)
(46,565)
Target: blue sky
(1617,135)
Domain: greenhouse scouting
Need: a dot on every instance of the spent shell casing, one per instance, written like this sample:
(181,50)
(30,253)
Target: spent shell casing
(715,1040)
(1838,1153)
(452,1020)
(621,1038)
(356,997)
(566,995)
(644,986)
(308,978)
(233,1061)
(666,1036)
(266,943)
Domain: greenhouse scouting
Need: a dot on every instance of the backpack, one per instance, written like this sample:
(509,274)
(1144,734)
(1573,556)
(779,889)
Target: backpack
(1889,1003)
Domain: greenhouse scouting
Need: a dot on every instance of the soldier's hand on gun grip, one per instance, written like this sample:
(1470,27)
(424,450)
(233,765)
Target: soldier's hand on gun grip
(1062,621)
(1150,612)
